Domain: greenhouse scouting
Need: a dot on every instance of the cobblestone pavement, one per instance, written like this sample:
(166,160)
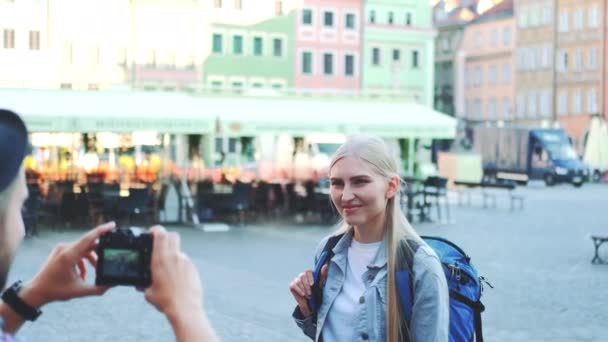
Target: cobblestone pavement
(538,260)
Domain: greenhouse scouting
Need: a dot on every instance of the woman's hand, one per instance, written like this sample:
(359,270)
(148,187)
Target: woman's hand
(301,288)
(62,277)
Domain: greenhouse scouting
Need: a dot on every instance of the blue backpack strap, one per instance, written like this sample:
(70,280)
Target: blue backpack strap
(315,301)
(404,279)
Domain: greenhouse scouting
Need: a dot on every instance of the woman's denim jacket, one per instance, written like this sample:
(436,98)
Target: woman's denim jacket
(430,314)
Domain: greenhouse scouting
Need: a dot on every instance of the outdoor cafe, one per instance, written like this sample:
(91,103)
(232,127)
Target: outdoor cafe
(130,156)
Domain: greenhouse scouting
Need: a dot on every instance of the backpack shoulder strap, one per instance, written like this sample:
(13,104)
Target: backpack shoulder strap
(404,278)
(327,253)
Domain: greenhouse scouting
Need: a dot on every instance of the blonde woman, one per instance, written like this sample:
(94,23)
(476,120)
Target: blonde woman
(359,289)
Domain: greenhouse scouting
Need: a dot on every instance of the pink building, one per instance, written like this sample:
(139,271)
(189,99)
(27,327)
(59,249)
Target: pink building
(328,38)
(486,86)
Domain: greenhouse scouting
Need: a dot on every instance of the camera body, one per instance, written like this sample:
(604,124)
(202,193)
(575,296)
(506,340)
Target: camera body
(124,258)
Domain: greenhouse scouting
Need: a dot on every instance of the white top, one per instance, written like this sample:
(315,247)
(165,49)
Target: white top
(342,315)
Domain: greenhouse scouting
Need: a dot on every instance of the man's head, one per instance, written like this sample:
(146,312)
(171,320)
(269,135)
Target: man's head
(13,188)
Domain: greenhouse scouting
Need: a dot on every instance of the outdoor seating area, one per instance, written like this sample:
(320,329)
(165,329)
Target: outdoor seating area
(64,204)
(261,201)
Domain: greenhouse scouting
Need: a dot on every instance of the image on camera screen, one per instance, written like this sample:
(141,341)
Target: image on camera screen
(121,263)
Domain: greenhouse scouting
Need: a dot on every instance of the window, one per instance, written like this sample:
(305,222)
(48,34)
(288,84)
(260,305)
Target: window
(478,76)
(506,107)
(562,61)
(328,64)
(545,103)
(278,7)
(533,16)
(523,17)
(593,20)
(494,38)
(391,18)
(563,22)
(408,19)
(396,55)
(217,3)
(349,65)
(277,47)
(562,107)
(506,36)
(415,61)
(328,19)
(577,102)
(493,74)
(521,105)
(492,106)
(68,53)
(545,61)
(532,101)
(592,62)
(307,63)
(34,40)
(578,59)
(592,101)
(375,56)
(9,39)
(578,19)
(506,73)
(478,40)
(477,108)
(237,45)
(257,46)
(547,13)
(372,16)
(445,44)
(238,4)
(349,21)
(217,43)
(307,16)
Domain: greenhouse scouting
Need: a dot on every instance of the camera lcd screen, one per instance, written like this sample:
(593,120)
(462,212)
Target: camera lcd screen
(121,263)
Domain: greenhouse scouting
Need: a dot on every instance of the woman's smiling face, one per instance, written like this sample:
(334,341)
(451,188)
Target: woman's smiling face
(359,193)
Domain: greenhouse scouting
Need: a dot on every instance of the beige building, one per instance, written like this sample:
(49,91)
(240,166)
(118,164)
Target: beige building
(101,44)
(535,73)
(486,63)
(579,65)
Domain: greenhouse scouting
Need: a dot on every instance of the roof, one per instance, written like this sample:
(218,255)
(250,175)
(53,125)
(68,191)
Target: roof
(502,10)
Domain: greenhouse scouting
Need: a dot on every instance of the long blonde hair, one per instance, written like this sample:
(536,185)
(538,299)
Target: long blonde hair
(375,152)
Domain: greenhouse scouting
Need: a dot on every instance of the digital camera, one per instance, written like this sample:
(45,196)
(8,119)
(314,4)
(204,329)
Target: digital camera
(123,258)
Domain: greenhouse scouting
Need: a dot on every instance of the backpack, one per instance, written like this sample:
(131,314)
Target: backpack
(464,284)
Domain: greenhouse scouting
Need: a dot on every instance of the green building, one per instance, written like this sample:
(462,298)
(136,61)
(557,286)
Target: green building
(251,56)
(398,49)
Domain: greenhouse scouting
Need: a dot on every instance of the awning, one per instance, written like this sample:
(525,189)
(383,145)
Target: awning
(120,111)
(111,111)
(249,117)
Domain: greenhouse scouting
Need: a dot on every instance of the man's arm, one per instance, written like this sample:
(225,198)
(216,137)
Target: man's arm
(62,277)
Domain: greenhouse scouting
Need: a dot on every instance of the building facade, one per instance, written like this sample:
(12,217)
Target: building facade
(450,27)
(580,56)
(249,45)
(398,49)
(486,62)
(328,37)
(535,73)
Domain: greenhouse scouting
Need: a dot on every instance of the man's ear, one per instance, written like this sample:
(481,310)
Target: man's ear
(393,187)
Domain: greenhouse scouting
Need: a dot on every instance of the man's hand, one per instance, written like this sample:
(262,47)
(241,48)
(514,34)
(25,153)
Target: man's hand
(176,288)
(62,277)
